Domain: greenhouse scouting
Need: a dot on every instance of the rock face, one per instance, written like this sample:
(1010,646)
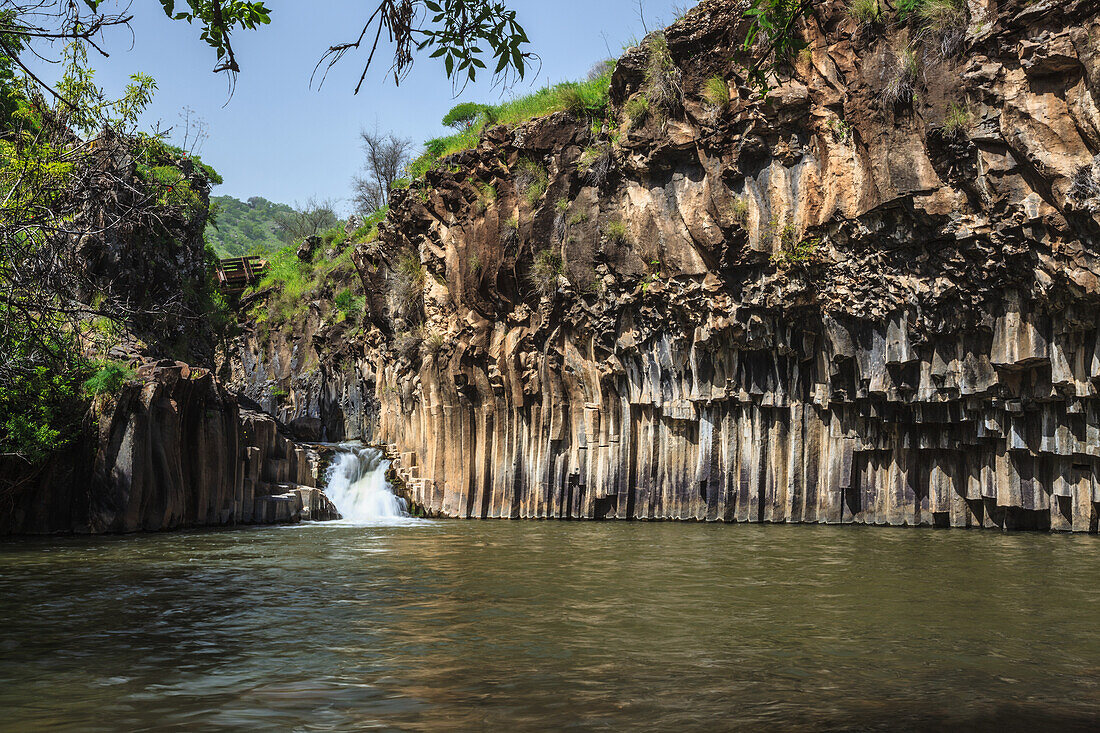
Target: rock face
(173,450)
(306,379)
(847,304)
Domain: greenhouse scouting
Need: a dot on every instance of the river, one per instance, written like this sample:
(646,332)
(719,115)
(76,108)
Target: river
(446,625)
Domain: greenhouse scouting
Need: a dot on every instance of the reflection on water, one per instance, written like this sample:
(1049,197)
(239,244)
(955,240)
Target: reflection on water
(534,626)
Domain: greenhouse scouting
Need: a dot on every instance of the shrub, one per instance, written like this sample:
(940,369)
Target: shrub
(544,272)
(616,232)
(841,130)
(791,248)
(531,179)
(432,342)
(40,407)
(579,218)
(739,210)
(344,301)
(465,115)
(368,230)
(108,379)
(787,236)
(561,208)
(801,251)
(866,12)
(509,231)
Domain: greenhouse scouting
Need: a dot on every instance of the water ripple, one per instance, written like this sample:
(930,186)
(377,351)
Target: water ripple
(530,626)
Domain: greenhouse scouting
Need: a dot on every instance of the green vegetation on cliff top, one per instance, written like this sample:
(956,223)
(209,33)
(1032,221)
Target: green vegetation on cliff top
(295,284)
(586,98)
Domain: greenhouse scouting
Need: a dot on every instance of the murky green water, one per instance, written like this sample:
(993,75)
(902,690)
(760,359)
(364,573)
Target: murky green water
(535,626)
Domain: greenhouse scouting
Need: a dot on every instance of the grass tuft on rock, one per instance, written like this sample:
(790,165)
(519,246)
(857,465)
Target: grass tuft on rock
(865,12)
(409,279)
(531,179)
(663,80)
(616,232)
(716,92)
(545,269)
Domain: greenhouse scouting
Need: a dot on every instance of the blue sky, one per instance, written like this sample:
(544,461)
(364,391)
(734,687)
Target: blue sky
(278,138)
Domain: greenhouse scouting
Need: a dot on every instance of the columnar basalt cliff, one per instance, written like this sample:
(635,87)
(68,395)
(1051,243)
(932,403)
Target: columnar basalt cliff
(871,298)
(173,450)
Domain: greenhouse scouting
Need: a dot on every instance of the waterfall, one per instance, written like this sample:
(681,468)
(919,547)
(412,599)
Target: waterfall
(357,486)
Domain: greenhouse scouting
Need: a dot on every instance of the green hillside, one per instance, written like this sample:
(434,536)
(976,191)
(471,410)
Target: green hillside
(244,227)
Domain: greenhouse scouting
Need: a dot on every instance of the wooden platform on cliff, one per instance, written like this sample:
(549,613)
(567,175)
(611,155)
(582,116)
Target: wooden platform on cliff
(237,273)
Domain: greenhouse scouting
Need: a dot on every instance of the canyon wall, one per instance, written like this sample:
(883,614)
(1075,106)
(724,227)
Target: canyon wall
(172,450)
(306,377)
(850,302)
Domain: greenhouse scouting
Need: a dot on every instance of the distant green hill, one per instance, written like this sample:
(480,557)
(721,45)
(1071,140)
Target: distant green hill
(244,227)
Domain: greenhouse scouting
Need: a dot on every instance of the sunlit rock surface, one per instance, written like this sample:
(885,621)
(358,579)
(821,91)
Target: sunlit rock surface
(824,308)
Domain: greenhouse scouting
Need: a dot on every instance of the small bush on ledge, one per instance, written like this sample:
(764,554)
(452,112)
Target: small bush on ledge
(595,164)
(792,249)
(616,232)
(545,271)
(486,195)
(902,72)
(739,210)
(509,230)
(663,81)
(636,111)
(531,179)
(943,23)
(108,379)
(716,92)
(432,342)
(409,280)
(959,118)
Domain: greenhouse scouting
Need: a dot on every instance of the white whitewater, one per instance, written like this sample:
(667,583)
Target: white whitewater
(357,486)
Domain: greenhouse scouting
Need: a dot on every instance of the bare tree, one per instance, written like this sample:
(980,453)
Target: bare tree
(193,131)
(640,5)
(306,221)
(386,158)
